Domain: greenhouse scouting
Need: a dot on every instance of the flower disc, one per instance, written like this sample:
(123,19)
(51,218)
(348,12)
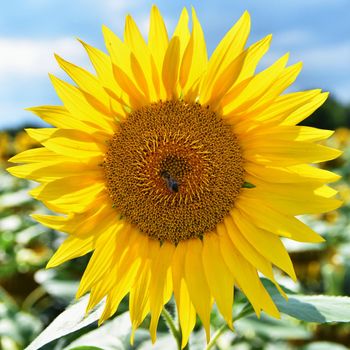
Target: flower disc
(182,162)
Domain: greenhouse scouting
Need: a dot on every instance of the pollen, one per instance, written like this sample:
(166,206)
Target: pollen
(174,169)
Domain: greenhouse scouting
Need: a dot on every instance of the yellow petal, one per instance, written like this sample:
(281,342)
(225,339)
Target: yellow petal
(292,174)
(272,220)
(119,56)
(81,224)
(188,314)
(182,32)
(121,275)
(249,252)
(237,101)
(139,75)
(70,143)
(305,110)
(48,171)
(94,297)
(197,284)
(125,276)
(186,311)
(308,203)
(70,194)
(59,117)
(314,173)
(170,70)
(139,296)
(133,37)
(160,264)
(116,295)
(103,67)
(226,52)
(87,83)
(325,191)
(137,98)
(266,243)
(139,48)
(280,190)
(224,82)
(36,155)
(286,153)
(157,37)
(118,50)
(53,221)
(254,55)
(218,275)
(71,248)
(284,105)
(246,249)
(288,133)
(283,81)
(273,113)
(79,107)
(245,275)
(195,59)
(102,258)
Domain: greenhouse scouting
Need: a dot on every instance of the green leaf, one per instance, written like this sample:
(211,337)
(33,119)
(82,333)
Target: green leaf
(69,321)
(324,345)
(248,185)
(14,199)
(163,342)
(14,323)
(270,328)
(312,308)
(53,285)
(112,335)
(87,347)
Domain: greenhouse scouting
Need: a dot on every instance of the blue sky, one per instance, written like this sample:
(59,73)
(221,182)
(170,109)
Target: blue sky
(316,32)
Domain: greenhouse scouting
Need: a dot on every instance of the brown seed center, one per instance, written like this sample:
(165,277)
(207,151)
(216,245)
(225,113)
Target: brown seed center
(174,169)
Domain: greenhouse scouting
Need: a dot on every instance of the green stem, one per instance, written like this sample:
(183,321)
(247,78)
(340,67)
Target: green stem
(32,298)
(216,336)
(171,324)
(247,310)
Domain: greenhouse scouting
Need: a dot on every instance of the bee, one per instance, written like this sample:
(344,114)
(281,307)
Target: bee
(171,183)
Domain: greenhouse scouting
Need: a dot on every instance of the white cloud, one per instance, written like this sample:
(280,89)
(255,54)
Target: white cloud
(24,65)
(30,57)
(292,38)
(325,58)
(114,12)
(312,3)
(143,22)
(13,114)
(119,5)
(334,56)
(325,66)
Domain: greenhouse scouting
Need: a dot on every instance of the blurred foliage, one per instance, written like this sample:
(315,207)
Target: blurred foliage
(331,115)
(32,297)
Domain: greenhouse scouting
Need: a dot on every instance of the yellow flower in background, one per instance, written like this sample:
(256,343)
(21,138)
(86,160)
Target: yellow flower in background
(22,142)
(4,146)
(179,173)
(341,137)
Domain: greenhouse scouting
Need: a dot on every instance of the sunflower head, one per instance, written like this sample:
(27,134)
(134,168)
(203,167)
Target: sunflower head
(187,183)
(179,173)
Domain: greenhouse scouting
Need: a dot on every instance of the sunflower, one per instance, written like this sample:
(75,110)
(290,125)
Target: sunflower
(177,172)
